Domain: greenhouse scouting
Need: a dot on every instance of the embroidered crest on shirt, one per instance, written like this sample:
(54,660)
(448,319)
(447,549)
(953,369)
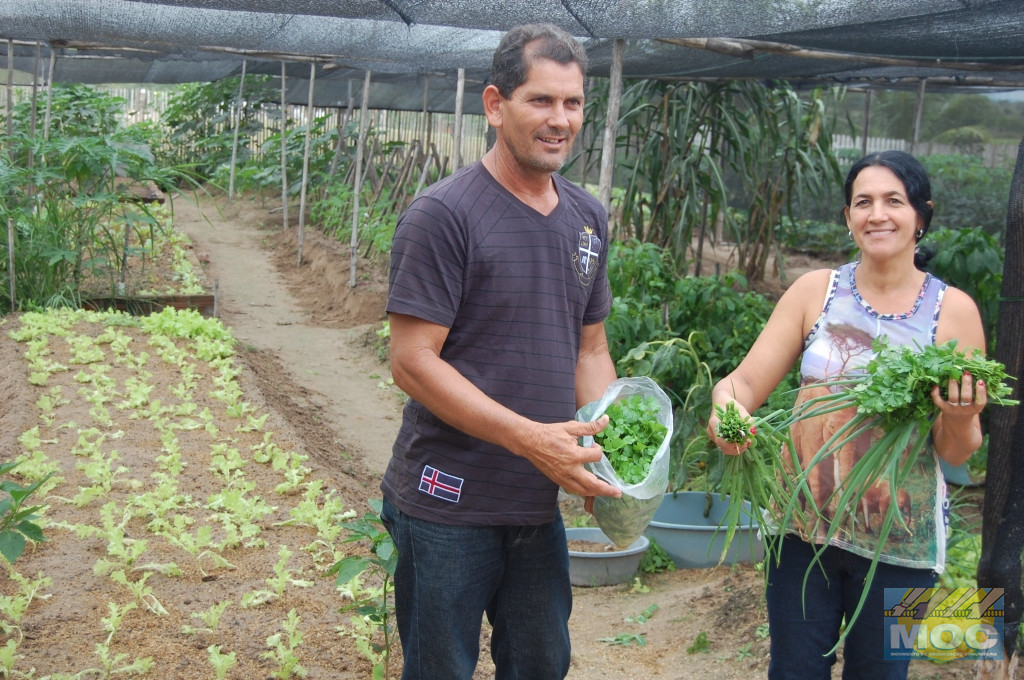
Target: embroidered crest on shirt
(587,255)
(440,485)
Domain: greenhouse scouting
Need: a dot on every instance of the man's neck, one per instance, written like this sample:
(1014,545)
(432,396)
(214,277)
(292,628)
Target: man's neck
(535,189)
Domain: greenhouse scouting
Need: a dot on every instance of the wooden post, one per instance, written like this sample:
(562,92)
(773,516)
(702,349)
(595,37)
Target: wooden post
(460,94)
(423,121)
(342,121)
(234,143)
(10,260)
(364,116)
(49,94)
(867,122)
(305,157)
(919,109)
(284,148)
(35,107)
(10,93)
(611,127)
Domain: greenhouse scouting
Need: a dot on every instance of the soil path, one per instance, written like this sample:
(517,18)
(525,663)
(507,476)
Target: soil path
(242,242)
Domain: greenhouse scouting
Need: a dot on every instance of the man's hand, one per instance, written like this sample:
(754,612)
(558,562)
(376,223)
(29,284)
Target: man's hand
(556,452)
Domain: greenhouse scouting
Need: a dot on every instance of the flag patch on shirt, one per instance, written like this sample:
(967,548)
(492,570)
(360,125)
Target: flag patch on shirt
(440,485)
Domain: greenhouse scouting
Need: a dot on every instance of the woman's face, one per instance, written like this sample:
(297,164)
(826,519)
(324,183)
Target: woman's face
(880,216)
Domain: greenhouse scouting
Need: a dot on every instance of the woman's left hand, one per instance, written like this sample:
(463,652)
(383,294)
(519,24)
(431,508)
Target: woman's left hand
(966,398)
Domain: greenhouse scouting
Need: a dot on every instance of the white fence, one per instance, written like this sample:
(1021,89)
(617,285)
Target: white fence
(992,155)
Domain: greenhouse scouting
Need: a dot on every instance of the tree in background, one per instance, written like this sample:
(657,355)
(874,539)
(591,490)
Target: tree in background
(199,122)
(729,158)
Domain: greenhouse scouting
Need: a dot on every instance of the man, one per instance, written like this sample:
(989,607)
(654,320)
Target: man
(497,300)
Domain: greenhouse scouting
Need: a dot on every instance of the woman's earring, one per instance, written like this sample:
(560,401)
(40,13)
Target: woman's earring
(850,234)
(919,233)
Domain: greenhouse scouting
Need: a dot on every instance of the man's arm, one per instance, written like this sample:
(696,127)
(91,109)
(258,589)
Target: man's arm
(595,369)
(419,370)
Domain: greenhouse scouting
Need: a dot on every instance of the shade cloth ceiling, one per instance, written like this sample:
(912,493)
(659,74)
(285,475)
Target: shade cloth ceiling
(414,48)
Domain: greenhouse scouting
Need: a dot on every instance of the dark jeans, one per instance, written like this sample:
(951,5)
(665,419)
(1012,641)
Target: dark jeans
(449,576)
(800,643)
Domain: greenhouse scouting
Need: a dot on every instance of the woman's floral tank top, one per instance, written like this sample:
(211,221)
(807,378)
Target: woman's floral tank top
(840,342)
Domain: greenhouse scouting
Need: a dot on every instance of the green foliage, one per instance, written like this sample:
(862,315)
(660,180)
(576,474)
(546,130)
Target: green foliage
(655,560)
(625,640)
(700,644)
(670,329)
(963,544)
(967,194)
(381,201)
(826,240)
(375,612)
(632,437)
(76,110)
(16,519)
(261,171)
(892,393)
(688,152)
(67,195)
(651,303)
(199,122)
(971,260)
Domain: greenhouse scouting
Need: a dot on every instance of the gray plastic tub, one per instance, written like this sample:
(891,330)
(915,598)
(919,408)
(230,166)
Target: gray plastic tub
(694,541)
(604,568)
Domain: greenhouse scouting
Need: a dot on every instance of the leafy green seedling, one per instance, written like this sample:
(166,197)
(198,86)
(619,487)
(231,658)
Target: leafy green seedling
(632,437)
(17,523)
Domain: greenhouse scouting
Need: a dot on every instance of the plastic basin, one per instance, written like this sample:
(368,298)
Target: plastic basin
(605,568)
(694,541)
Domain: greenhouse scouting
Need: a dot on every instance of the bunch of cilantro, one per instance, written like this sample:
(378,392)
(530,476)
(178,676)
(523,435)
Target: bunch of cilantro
(632,437)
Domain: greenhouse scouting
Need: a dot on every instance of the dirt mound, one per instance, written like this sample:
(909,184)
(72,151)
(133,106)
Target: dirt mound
(321,283)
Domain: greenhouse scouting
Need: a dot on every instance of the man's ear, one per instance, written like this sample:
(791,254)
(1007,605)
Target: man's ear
(492,105)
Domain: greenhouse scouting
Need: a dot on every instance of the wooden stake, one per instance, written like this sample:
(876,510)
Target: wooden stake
(10,93)
(284,149)
(611,127)
(305,157)
(460,94)
(867,122)
(917,116)
(234,143)
(364,117)
(49,93)
(10,259)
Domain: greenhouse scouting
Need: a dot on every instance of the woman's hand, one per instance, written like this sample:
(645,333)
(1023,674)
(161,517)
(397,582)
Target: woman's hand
(957,431)
(966,398)
(727,447)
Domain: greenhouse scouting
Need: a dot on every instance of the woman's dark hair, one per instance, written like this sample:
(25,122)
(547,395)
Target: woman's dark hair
(915,181)
(512,61)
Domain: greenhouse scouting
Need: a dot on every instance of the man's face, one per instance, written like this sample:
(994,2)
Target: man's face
(539,122)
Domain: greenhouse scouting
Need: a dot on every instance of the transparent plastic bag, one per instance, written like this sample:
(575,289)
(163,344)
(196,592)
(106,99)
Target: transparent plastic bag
(624,519)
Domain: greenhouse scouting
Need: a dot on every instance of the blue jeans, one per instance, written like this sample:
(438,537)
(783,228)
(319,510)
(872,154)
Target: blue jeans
(448,577)
(800,644)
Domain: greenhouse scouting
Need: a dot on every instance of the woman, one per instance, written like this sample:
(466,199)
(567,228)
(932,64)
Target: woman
(828,318)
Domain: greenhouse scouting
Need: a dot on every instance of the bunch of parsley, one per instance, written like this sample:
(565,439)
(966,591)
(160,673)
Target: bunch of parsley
(632,437)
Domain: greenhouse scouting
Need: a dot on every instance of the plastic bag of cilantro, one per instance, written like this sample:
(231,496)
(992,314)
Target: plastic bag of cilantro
(636,455)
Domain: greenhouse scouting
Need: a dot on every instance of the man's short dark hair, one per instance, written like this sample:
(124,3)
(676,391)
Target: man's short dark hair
(512,60)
